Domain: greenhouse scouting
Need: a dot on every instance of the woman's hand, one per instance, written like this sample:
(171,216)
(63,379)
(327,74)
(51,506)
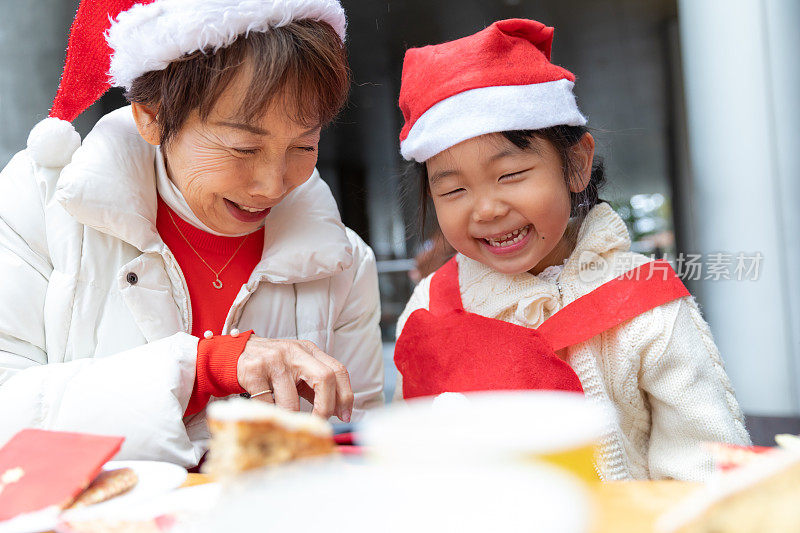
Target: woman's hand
(292,369)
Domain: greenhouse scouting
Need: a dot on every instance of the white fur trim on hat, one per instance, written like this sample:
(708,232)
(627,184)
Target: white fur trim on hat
(150,36)
(490,110)
(52,142)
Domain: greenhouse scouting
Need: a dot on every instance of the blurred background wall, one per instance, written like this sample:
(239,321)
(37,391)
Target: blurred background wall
(693,104)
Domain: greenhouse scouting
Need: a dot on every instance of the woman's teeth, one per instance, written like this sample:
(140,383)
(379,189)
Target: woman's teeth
(248,209)
(509,238)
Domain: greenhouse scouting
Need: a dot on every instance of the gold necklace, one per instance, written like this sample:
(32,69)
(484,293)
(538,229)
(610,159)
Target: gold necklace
(217,283)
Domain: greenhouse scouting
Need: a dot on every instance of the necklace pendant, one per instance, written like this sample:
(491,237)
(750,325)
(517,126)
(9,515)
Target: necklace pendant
(217,284)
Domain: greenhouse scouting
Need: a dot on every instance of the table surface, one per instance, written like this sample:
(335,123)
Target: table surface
(620,507)
(634,506)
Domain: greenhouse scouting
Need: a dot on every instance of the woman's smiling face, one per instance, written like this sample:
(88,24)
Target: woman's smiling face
(232,172)
(501,205)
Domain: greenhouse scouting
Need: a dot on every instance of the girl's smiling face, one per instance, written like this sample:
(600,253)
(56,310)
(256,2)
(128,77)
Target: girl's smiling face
(505,206)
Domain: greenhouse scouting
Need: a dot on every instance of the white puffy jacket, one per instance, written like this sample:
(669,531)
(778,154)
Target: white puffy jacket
(82,349)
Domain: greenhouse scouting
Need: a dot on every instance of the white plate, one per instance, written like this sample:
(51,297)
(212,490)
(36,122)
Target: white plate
(187,506)
(155,477)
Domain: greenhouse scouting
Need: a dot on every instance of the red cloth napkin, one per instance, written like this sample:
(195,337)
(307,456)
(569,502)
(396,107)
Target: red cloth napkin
(41,468)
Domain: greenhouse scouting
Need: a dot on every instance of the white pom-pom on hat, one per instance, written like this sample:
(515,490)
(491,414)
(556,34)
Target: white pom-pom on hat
(52,142)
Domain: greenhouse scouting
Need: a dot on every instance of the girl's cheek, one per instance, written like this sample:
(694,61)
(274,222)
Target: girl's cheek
(454,224)
(443,213)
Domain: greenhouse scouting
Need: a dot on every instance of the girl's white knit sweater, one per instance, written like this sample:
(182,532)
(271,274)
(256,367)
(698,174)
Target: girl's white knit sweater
(661,371)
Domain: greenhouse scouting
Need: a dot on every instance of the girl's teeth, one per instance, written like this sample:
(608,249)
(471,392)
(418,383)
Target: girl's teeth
(510,238)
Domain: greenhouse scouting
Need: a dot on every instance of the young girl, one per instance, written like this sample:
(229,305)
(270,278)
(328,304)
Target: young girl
(544,292)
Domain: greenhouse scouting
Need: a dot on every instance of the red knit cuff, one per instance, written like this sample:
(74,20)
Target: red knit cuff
(216,369)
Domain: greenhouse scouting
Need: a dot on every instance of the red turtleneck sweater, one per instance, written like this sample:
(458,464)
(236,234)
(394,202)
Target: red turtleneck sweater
(217,357)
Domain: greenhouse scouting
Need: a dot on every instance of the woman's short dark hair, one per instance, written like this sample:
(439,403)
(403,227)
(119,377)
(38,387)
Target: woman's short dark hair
(563,139)
(305,57)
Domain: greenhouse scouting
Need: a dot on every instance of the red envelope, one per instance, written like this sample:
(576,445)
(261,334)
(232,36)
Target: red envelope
(40,468)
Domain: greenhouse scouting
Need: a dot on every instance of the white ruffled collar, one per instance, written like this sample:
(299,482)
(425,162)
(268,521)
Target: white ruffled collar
(529,300)
(523,299)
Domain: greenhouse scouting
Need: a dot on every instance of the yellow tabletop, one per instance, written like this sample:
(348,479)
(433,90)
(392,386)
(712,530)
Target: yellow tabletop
(634,506)
(195,479)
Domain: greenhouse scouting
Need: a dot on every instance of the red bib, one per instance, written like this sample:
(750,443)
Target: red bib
(447,349)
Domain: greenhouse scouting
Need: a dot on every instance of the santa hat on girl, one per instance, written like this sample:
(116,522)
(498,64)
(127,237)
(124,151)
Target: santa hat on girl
(499,79)
(113,42)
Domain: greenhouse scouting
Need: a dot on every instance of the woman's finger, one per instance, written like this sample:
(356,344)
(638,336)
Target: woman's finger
(264,395)
(284,389)
(252,377)
(321,378)
(344,391)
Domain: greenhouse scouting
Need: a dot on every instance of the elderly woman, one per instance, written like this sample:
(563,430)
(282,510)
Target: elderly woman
(188,249)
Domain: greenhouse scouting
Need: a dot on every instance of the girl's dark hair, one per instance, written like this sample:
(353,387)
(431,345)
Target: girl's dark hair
(563,139)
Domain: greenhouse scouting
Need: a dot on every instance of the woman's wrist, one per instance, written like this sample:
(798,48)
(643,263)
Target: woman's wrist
(216,369)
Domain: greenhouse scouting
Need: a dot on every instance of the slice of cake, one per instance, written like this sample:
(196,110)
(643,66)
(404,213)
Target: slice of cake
(762,495)
(107,485)
(249,434)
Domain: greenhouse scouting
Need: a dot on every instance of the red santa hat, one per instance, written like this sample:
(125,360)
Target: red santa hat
(499,79)
(113,42)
